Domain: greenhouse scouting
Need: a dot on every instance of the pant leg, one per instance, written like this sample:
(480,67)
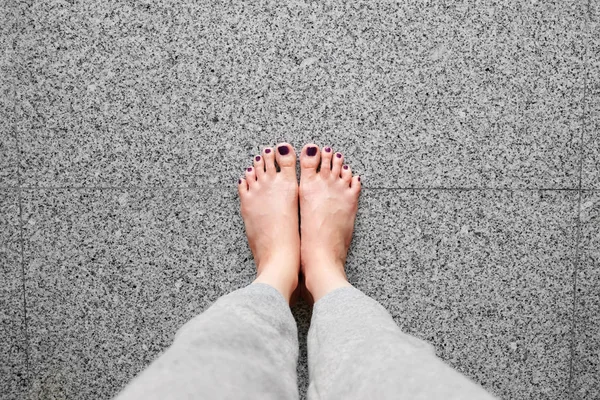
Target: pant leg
(356,351)
(245,346)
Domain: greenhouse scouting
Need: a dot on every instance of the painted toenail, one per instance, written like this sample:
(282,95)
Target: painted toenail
(338,155)
(311,151)
(283,150)
(359,178)
(250,169)
(345,167)
(267,151)
(328,149)
(239,181)
(257,158)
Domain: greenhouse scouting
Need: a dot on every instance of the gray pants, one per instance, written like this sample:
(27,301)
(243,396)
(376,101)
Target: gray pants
(245,346)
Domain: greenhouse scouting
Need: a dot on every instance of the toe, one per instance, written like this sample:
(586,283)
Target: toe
(259,167)
(286,158)
(269,160)
(355,184)
(250,177)
(346,174)
(242,187)
(338,161)
(309,159)
(326,155)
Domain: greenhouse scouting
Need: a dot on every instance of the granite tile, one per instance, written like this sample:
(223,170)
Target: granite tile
(112,274)
(586,362)
(540,63)
(590,178)
(485,276)
(9,153)
(470,93)
(8,84)
(13,345)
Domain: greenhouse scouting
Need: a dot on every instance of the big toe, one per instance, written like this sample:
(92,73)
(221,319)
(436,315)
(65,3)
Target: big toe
(286,159)
(309,160)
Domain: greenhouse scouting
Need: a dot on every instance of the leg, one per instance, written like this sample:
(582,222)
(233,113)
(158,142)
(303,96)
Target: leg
(355,349)
(245,346)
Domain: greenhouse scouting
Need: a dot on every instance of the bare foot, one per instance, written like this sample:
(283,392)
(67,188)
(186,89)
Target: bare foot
(328,205)
(269,201)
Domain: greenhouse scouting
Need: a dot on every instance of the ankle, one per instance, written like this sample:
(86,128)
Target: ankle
(323,280)
(284,280)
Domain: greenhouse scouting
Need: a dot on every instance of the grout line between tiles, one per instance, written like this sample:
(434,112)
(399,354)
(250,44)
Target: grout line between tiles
(577,260)
(576,267)
(25,321)
(472,189)
(22,248)
(21,236)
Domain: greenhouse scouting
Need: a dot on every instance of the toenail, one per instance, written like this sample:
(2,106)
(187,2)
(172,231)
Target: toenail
(249,169)
(359,178)
(239,181)
(257,158)
(328,149)
(283,150)
(311,151)
(339,155)
(345,167)
(267,151)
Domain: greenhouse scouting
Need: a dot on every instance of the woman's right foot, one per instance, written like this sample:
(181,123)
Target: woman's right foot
(269,206)
(328,205)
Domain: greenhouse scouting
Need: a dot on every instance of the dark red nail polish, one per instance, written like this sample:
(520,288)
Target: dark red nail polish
(338,155)
(249,169)
(239,181)
(345,167)
(328,149)
(267,151)
(257,158)
(359,178)
(311,151)
(283,150)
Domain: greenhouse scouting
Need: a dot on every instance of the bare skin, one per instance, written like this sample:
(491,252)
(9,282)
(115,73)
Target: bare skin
(328,204)
(269,205)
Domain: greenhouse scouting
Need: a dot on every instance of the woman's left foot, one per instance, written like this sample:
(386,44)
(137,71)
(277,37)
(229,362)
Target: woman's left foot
(328,206)
(269,201)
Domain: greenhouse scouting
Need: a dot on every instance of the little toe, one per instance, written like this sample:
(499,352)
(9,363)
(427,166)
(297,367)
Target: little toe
(259,167)
(355,183)
(309,160)
(326,156)
(346,174)
(242,187)
(286,159)
(250,177)
(337,162)
(269,161)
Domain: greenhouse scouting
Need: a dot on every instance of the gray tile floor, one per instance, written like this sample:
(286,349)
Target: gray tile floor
(474,124)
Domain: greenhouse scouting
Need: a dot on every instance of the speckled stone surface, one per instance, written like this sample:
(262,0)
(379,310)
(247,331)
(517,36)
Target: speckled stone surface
(590,178)
(8,87)
(171,93)
(486,277)
(136,106)
(13,352)
(586,362)
(8,156)
(111,276)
